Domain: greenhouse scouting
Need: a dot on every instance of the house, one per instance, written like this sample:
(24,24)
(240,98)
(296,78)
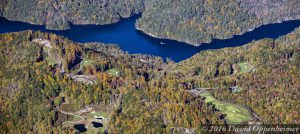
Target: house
(235,89)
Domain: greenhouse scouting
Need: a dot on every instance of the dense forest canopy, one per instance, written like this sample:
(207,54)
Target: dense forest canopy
(191,21)
(149,95)
(271,85)
(38,70)
(200,21)
(46,80)
(58,14)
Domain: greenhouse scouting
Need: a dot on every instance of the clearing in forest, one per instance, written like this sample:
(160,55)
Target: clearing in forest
(98,114)
(75,118)
(50,56)
(235,114)
(245,67)
(114,72)
(93,121)
(86,62)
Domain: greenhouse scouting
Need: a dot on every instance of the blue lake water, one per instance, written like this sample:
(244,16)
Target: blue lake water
(129,39)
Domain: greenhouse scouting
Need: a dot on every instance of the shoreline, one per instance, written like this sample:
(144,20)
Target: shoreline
(163,38)
(232,36)
(150,34)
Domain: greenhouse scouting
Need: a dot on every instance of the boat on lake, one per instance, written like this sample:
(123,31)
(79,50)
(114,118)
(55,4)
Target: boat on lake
(162,43)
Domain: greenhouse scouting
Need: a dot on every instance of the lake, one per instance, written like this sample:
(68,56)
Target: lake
(129,39)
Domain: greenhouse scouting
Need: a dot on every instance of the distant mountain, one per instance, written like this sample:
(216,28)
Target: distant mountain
(58,14)
(200,21)
(191,21)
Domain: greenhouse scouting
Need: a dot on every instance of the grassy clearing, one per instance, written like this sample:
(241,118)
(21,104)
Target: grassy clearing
(68,107)
(95,130)
(114,72)
(75,118)
(49,57)
(92,130)
(98,114)
(245,67)
(86,62)
(51,61)
(208,97)
(235,114)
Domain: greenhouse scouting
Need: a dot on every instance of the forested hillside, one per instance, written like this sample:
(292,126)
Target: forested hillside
(148,94)
(191,21)
(40,71)
(58,14)
(200,21)
(266,72)
(50,84)
(43,74)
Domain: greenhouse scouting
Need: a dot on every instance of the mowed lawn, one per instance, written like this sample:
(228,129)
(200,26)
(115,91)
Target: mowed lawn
(103,114)
(114,72)
(74,118)
(96,130)
(235,114)
(86,62)
(245,67)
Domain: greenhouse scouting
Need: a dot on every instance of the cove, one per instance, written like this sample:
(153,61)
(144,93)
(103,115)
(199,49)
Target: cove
(134,41)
